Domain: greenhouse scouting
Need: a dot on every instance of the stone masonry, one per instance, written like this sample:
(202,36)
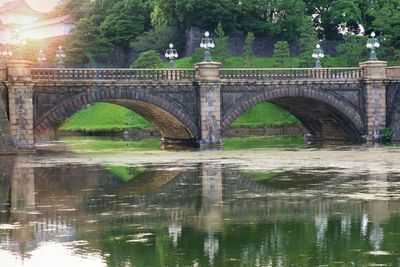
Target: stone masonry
(197,106)
(210,103)
(374,73)
(7,144)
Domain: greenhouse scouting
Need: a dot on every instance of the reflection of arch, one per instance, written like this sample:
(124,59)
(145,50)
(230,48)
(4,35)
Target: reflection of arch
(170,118)
(323,114)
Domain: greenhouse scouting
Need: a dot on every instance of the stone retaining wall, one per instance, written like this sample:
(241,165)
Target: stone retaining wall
(232,132)
(265,131)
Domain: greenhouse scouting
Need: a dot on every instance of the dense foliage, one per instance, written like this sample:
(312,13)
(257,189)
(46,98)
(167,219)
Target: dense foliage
(109,27)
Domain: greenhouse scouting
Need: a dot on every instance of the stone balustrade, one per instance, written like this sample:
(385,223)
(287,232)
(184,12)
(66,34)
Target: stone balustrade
(51,74)
(290,73)
(46,74)
(393,72)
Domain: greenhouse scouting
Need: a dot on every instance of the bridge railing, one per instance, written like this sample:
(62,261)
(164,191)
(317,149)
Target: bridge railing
(112,74)
(290,74)
(393,72)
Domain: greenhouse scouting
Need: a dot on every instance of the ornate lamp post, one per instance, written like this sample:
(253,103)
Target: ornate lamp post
(318,54)
(207,43)
(60,55)
(372,44)
(41,57)
(171,54)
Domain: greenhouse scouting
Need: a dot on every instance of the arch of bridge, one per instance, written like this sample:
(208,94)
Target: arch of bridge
(321,113)
(169,117)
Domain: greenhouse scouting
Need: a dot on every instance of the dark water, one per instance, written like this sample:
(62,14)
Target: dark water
(197,213)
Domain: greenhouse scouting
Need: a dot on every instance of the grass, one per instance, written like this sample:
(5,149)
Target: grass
(238,143)
(105,117)
(110,117)
(265,114)
(240,62)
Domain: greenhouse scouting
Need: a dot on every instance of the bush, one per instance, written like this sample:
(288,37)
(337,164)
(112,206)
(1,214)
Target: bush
(198,56)
(387,136)
(281,51)
(148,60)
(248,49)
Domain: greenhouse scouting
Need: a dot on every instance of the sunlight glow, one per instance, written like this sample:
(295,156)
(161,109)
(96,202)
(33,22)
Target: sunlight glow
(51,254)
(43,5)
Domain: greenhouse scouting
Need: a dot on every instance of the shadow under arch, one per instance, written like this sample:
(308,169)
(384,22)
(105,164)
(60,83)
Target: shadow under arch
(323,114)
(170,118)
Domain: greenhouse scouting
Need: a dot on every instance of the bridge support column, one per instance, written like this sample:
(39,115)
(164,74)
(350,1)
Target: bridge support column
(3,72)
(207,74)
(7,144)
(20,99)
(374,74)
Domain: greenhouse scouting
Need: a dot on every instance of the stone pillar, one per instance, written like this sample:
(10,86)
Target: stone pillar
(7,144)
(3,72)
(20,98)
(207,75)
(374,75)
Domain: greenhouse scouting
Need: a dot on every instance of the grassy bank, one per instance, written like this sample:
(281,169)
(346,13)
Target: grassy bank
(105,117)
(262,62)
(265,114)
(110,117)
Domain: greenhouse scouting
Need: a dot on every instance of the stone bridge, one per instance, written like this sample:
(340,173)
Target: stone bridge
(195,106)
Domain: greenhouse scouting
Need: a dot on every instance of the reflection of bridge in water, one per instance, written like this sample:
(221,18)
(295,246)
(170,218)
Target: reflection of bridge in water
(59,202)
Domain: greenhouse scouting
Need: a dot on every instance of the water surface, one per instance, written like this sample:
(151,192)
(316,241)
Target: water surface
(270,207)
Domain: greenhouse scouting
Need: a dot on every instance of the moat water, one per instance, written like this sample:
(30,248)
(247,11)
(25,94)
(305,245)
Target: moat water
(262,207)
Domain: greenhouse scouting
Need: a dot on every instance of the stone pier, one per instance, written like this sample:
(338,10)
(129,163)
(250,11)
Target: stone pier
(20,99)
(7,144)
(374,74)
(210,104)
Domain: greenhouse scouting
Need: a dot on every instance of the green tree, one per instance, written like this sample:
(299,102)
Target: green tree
(280,18)
(289,18)
(248,48)
(387,20)
(221,50)
(76,8)
(87,44)
(125,21)
(281,51)
(199,13)
(308,40)
(330,15)
(148,60)
(197,56)
(353,50)
(157,39)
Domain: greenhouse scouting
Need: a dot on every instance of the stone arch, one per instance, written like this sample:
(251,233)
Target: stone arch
(173,121)
(323,114)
